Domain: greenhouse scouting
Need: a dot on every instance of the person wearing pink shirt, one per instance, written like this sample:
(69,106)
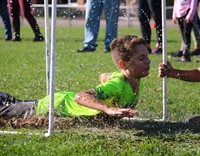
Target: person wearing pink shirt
(183,14)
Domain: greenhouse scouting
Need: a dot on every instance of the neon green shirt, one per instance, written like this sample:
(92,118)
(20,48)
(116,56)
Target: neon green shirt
(115,92)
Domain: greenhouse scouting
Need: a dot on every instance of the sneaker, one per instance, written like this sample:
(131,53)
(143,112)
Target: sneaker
(16,38)
(186,57)
(157,50)
(38,37)
(107,50)
(86,49)
(177,54)
(195,52)
(8,39)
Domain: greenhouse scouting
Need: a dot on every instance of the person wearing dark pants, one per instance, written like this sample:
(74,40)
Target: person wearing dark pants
(25,6)
(196,37)
(184,13)
(6,20)
(146,10)
(185,29)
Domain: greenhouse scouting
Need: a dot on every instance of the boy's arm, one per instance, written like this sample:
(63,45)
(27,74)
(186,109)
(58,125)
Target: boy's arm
(185,75)
(87,99)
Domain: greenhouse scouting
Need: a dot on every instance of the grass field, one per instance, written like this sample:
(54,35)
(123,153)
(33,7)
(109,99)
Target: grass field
(23,75)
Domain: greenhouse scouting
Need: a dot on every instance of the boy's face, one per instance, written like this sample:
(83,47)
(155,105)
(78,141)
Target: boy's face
(139,64)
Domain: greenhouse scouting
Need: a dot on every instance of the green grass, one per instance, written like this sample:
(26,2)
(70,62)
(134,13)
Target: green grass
(22,68)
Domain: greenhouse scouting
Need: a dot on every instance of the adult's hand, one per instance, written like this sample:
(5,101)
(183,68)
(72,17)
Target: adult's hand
(164,70)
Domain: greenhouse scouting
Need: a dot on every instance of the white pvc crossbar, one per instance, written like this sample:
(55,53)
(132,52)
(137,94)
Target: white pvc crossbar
(16,132)
(51,63)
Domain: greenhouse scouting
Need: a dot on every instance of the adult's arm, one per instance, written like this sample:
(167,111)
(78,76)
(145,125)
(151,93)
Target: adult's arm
(192,75)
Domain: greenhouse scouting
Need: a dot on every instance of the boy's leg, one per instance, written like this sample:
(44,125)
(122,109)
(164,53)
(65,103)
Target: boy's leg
(6,99)
(17,110)
(12,107)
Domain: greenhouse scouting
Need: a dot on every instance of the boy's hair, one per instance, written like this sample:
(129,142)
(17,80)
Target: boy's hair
(123,48)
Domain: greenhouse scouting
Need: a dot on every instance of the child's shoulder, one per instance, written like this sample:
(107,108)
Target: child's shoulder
(116,74)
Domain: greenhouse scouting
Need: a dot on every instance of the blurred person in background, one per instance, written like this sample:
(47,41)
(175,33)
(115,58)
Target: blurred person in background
(25,6)
(183,14)
(6,20)
(94,9)
(146,10)
(196,38)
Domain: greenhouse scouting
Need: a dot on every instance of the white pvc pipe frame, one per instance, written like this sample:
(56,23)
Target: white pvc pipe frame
(52,61)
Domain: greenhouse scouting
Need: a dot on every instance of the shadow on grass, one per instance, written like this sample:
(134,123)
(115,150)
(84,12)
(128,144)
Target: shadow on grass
(151,128)
(169,128)
(139,128)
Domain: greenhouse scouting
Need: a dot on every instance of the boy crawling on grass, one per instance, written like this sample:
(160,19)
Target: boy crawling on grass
(130,55)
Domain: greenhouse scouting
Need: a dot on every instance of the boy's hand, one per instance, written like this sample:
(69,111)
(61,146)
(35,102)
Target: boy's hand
(121,112)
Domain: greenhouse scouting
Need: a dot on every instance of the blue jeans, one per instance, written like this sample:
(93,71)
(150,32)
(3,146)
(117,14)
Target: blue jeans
(94,9)
(6,19)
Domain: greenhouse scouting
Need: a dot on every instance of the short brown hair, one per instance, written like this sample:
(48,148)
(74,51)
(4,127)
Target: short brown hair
(123,48)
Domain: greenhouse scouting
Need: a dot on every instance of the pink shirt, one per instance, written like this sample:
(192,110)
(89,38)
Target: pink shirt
(181,8)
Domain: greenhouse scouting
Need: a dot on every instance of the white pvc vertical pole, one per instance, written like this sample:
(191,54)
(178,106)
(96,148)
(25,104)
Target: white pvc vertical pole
(47,43)
(163,6)
(52,68)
